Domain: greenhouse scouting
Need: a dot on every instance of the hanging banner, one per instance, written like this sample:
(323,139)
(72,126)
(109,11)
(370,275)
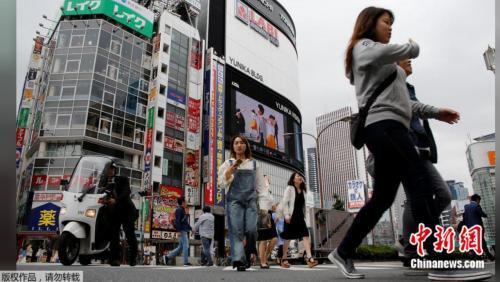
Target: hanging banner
(20,132)
(192,168)
(193,124)
(219,130)
(179,122)
(23,117)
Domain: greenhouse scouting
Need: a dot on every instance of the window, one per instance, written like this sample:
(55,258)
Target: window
(93,121)
(166,48)
(77,41)
(139,136)
(68,92)
(59,63)
(141,109)
(83,89)
(120,99)
(100,65)
(117,128)
(97,90)
(126,50)
(112,72)
(116,46)
(78,120)
(168,29)
(157,161)
(161,112)
(91,37)
(131,104)
(164,68)
(108,98)
(128,131)
(87,63)
(159,136)
(63,121)
(49,120)
(163,88)
(105,126)
(63,39)
(137,56)
(54,89)
(104,40)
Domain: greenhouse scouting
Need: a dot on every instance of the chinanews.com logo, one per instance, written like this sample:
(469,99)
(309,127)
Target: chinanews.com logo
(470,242)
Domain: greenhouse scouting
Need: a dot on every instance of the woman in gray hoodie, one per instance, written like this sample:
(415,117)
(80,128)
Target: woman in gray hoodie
(370,59)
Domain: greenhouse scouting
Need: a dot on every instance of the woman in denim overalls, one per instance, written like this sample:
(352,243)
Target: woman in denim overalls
(244,185)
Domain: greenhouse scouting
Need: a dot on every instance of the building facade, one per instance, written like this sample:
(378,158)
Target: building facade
(481,160)
(338,162)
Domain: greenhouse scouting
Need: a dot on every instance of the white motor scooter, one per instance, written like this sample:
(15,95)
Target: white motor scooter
(84,217)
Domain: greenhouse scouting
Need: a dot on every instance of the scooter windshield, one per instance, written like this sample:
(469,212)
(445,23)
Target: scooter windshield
(88,175)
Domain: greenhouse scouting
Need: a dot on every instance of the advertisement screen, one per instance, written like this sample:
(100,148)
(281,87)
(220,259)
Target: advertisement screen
(269,120)
(259,123)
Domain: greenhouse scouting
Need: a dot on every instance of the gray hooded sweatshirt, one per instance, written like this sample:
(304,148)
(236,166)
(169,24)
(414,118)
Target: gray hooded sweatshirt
(372,63)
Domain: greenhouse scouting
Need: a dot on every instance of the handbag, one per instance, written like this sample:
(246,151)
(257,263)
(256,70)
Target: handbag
(357,121)
(265,220)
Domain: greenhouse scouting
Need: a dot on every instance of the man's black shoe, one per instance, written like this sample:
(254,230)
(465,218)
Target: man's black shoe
(114,263)
(133,263)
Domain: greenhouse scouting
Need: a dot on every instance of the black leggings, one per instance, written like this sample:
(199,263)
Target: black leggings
(395,160)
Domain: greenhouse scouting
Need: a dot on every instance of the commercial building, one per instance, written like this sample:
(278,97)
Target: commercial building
(481,159)
(338,161)
(251,88)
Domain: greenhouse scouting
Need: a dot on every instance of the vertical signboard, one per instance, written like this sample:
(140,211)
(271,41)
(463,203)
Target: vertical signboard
(219,129)
(355,195)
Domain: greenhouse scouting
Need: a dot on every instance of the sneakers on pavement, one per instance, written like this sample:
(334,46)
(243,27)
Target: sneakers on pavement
(459,275)
(345,265)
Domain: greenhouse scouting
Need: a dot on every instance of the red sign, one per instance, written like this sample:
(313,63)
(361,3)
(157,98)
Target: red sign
(170,119)
(20,136)
(194,115)
(54,181)
(38,180)
(149,139)
(209,194)
(47,197)
(196,55)
(170,143)
(179,122)
(170,192)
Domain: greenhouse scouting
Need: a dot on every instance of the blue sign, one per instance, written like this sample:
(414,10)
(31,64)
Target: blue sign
(44,218)
(176,96)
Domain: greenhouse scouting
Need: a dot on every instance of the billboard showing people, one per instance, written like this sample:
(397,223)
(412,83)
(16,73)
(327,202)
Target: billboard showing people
(258,122)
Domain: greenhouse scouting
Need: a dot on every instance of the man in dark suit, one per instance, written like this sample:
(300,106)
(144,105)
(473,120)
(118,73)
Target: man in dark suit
(123,213)
(473,215)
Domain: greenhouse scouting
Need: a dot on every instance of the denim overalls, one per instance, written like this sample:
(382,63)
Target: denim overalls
(242,213)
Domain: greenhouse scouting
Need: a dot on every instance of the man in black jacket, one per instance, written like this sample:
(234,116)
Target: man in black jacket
(123,213)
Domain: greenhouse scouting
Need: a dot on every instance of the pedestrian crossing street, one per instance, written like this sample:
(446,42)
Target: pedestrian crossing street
(320,267)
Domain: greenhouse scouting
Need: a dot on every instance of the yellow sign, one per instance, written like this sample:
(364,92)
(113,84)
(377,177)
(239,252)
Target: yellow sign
(153,93)
(28,94)
(47,217)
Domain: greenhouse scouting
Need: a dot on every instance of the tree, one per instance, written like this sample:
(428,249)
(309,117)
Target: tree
(338,204)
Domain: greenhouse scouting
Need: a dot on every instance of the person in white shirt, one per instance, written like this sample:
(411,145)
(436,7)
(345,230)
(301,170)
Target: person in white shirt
(244,185)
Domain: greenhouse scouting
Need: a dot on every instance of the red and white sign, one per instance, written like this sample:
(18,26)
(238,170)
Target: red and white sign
(170,119)
(47,197)
(209,194)
(170,143)
(54,181)
(38,180)
(256,22)
(179,122)
(149,138)
(20,136)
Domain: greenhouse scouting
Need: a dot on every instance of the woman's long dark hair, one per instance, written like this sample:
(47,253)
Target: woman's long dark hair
(302,185)
(364,28)
(248,152)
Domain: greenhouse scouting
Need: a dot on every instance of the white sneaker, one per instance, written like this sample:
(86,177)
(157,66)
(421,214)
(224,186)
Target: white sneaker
(459,275)
(346,266)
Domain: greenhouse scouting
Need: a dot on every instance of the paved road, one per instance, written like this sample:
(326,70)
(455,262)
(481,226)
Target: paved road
(375,271)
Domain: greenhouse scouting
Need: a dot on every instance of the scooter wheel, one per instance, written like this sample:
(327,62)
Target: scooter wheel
(69,247)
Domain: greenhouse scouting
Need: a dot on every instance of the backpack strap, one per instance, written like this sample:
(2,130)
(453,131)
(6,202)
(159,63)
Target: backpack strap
(254,165)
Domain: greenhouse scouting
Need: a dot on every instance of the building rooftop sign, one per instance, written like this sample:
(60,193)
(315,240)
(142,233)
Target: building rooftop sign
(126,12)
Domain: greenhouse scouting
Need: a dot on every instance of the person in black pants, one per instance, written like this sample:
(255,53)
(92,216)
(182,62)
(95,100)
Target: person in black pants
(369,61)
(122,214)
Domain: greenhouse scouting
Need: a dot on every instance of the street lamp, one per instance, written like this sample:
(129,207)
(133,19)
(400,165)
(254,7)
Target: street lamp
(318,162)
(489,58)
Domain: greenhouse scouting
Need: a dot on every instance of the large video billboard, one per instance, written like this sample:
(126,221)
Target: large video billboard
(259,123)
(271,122)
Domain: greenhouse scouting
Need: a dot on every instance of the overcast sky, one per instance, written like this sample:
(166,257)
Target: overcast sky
(450,71)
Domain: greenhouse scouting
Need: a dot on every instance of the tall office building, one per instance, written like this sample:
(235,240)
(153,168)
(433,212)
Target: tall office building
(481,159)
(338,160)
(312,175)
